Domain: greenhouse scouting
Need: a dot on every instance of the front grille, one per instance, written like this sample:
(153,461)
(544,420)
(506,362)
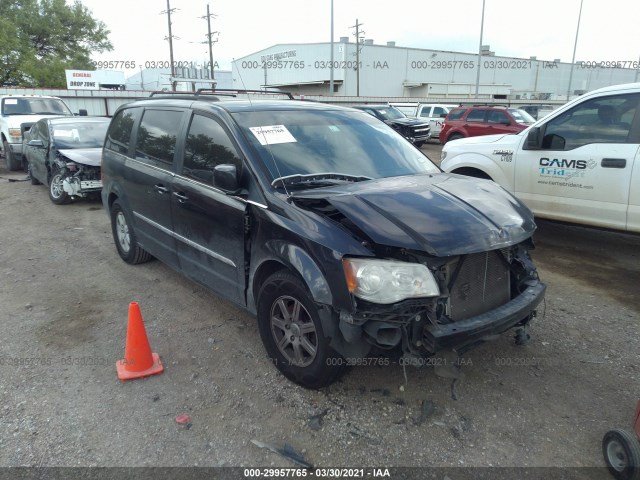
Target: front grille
(482,284)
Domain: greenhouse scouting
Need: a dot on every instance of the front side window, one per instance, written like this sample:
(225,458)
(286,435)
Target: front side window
(599,120)
(157,135)
(119,134)
(456,114)
(207,146)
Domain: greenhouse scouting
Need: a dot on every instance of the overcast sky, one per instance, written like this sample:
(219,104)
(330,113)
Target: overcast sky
(544,28)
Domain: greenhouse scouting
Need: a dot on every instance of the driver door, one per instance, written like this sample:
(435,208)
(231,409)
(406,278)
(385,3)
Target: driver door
(582,172)
(208,222)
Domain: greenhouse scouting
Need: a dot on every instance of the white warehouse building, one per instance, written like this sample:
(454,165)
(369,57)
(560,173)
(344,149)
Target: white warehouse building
(392,71)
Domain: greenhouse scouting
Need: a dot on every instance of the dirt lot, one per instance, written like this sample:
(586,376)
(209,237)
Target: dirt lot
(65,294)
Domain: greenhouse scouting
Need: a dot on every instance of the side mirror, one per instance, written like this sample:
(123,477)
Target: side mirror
(35,143)
(82,112)
(225,177)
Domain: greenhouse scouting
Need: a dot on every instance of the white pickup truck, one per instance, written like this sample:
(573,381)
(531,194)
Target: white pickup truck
(579,164)
(17,114)
(434,112)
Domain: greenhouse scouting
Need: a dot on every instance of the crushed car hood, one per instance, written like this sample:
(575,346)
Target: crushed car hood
(86,156)
(441,214)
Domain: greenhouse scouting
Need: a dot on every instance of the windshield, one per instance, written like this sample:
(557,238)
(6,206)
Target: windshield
(34,106)
(390,113)
(80,134)
(521,116)
(315,142)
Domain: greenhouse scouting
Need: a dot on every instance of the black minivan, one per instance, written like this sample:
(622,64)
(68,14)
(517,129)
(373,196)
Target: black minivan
(343,239)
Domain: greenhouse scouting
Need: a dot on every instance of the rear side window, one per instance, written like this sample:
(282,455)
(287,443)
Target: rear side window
(476,116)
(207,146)
(157,135)
(498,117)
(119,134)
(456,114)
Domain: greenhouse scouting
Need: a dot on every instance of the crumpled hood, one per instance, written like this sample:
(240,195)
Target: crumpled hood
(441,214)
(86,156)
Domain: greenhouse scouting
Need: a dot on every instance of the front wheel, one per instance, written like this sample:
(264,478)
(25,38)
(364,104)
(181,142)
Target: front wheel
(454,136)
(13,163)
(56,191)
(621,452)
(292,334)
(125,237)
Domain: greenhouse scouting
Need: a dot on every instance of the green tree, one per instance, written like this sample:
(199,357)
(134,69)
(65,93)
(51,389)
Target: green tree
(40,39)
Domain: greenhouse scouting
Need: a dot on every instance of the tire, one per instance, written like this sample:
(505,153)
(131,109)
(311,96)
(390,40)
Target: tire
(56,193)
(621,452)
(34,180)
(13,163)
(454,136)
(419,144)
(125,237)
(292,335)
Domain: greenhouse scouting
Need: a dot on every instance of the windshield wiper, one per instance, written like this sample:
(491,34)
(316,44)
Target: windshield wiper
(317,180)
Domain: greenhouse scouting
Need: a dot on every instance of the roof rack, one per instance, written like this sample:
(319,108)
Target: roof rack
(489,105)
(213,93)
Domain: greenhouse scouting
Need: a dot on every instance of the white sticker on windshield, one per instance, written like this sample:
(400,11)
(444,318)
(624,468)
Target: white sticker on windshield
(10,101)
(333,128)
(272,134)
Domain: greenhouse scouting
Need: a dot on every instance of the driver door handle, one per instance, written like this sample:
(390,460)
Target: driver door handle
(182,198)
(161,189)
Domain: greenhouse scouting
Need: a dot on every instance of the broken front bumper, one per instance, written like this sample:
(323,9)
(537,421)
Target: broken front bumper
(463,334)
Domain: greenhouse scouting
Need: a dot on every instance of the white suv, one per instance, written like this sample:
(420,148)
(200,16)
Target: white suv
(17,114)
(579,164)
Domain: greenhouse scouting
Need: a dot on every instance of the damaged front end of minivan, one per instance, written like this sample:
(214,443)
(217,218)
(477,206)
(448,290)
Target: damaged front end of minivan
(449,265)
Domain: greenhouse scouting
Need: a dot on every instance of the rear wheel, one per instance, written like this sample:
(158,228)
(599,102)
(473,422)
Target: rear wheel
(56,190)
(125,237)
(292,334)
(13,163)
(454,136)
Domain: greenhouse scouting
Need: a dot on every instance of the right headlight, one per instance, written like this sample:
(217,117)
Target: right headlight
(388,281)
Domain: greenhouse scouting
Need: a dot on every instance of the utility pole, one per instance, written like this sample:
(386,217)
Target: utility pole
(573,59)
(170,38)
(331,68)
(210,40)
(358,33)
(480,52)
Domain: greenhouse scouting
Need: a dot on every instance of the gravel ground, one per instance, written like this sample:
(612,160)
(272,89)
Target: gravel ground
(65,294)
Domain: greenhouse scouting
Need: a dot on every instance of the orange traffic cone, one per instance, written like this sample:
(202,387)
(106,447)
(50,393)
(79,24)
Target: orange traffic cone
(138,360)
